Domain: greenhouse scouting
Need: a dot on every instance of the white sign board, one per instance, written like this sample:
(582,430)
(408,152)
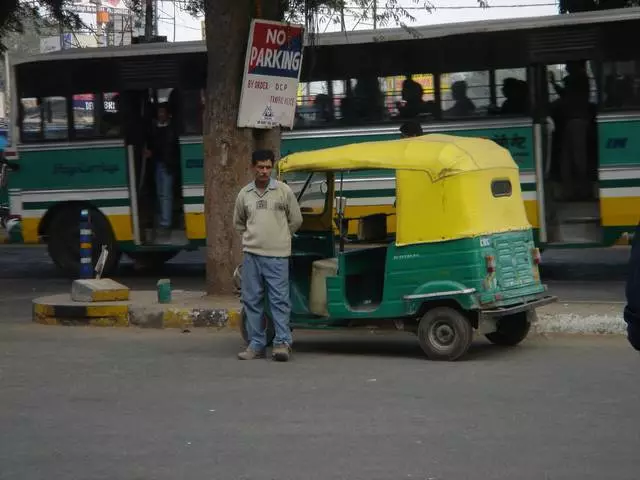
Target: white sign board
(272,71)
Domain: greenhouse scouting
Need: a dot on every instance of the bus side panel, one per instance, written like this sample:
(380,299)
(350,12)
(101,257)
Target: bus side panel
(192,155)
(54,175)
(619,175)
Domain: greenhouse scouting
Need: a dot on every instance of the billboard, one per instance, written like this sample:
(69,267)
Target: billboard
(89,6)
(66,41)
(271,75)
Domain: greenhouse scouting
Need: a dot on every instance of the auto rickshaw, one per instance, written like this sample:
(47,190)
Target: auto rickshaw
(462,258)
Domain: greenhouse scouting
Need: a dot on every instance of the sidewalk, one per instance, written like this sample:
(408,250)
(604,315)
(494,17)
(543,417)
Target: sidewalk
(582,318)
(192,309)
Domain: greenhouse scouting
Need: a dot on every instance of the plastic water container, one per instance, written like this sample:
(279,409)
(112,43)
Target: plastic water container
(164,290)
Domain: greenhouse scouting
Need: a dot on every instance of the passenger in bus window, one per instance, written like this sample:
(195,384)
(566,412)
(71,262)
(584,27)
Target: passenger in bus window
(163,149)
(463,105)
(412,102)
(368,99)
(516,97)
(322,107)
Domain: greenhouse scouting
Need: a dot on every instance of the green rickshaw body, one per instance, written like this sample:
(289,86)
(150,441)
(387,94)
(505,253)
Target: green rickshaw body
(462,246)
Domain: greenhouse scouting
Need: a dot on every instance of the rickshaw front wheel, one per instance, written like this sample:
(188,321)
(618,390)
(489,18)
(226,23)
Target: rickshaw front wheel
(511,330)
(444,333)
(266,321)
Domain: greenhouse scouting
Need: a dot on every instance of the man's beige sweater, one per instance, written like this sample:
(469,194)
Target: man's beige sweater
(268,220)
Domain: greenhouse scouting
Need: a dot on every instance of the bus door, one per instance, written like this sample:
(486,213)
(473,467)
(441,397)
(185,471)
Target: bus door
(142,178)
(137,117)
(565,135)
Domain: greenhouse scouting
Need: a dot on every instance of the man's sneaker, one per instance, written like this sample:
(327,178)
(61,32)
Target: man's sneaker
(281,353)
(250,354)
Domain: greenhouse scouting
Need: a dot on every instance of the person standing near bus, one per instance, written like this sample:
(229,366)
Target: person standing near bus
(267,214)
(163,147)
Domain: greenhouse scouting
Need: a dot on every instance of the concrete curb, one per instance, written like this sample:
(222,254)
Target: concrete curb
(195,310)
(187,310)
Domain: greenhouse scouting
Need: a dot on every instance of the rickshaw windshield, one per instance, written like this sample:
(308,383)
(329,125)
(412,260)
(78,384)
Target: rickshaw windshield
(310,189)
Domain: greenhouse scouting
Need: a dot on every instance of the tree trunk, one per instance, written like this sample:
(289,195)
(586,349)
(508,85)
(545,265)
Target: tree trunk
(227,149)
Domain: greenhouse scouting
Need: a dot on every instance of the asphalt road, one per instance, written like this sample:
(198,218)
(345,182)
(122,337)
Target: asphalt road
(90,403)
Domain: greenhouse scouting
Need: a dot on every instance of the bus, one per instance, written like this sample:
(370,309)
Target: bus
(82,114)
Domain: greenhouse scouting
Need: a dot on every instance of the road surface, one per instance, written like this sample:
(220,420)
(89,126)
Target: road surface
(95,403)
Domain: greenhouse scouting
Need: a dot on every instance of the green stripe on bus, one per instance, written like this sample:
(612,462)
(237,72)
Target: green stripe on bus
(106,202)
(627,182)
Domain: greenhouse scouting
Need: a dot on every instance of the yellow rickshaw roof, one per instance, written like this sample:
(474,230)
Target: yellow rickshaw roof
(437,154)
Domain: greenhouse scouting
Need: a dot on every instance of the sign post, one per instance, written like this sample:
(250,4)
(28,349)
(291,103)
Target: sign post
(272,71)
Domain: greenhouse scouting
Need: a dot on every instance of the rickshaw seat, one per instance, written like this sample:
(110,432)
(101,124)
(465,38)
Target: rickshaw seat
(373,228)
(320,270)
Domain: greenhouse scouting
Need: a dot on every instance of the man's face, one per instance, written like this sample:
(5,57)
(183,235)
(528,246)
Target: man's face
(163,115)
(262,170)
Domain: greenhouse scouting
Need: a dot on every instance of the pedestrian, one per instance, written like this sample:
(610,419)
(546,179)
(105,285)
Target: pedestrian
(411,128)
(163,147)
(632,308)
(267,214)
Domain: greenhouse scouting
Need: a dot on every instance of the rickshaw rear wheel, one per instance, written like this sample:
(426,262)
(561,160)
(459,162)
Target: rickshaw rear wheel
(271,332)
(511,330)
(444,333)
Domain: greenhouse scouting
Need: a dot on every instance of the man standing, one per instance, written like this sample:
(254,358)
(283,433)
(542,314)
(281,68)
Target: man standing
(266,214)
(163,146)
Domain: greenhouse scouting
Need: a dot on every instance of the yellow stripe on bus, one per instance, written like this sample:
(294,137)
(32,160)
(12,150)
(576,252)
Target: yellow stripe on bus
(619,211)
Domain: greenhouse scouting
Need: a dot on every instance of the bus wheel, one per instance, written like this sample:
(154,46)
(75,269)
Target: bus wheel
(266,321)
(150,260)
(444,334)
(512,329)
(64,240)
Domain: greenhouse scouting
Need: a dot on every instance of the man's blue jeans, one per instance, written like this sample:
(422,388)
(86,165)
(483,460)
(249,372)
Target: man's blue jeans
(271,274)
(164,191)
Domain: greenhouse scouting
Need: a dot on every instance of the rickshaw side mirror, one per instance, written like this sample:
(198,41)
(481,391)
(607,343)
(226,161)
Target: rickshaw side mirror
(341,205)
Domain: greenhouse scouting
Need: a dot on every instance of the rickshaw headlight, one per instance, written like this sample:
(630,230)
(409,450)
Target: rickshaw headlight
(491,263)
(535,254)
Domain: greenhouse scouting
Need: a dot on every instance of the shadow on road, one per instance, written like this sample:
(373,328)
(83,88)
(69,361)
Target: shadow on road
(390,345)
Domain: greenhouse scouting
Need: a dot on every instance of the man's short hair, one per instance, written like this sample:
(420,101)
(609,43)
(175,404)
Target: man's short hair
(411,129)
(262,155)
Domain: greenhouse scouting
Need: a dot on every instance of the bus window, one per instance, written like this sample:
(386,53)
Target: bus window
(621,85)
(192,111)
(512,92)
(111,122)
(469,94)
(409,96)
(31,128)
(84,122)
(568,76)
(315,106)
(55,118)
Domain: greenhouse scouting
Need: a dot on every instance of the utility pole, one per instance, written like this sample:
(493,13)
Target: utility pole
(375,14)
(99,31)
(148,20)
